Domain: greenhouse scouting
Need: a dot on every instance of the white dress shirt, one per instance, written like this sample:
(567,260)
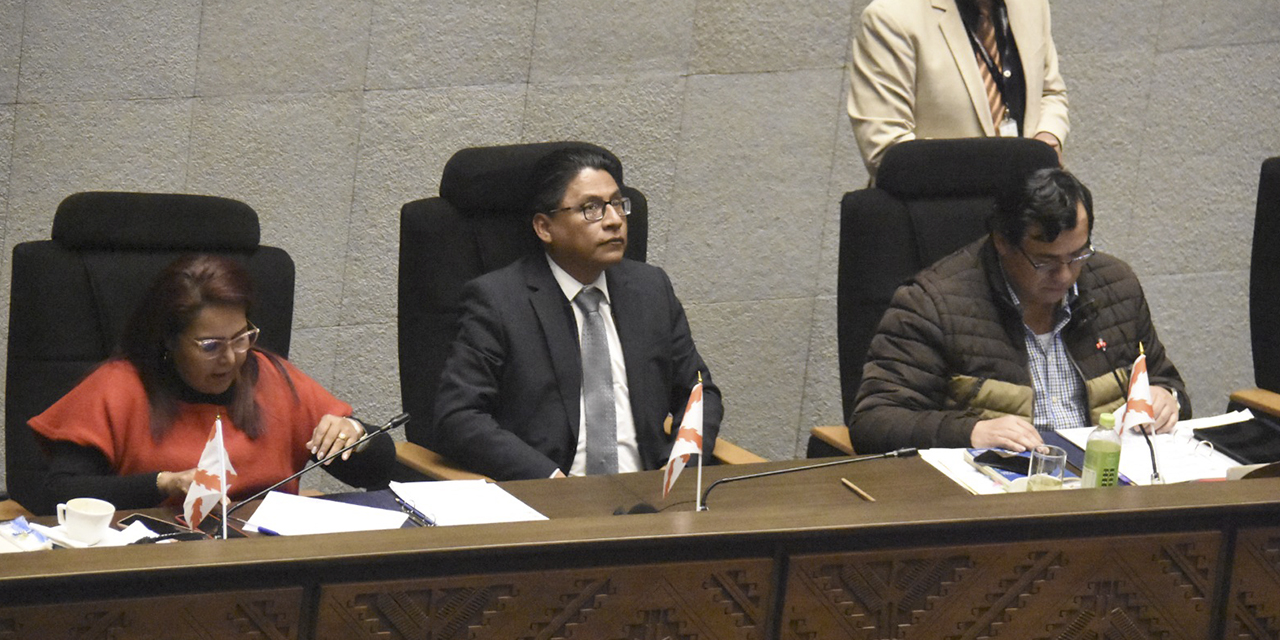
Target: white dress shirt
(628,450)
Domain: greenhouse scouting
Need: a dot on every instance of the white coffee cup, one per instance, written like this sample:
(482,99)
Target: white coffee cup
(86,519)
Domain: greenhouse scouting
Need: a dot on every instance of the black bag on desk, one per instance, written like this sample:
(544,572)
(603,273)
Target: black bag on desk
(1255,441)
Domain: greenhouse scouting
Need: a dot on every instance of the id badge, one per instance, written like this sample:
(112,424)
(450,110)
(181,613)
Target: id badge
(1008,128)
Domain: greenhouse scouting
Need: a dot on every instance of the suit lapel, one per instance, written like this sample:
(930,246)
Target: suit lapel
(561,334)
(624,304)
(957,38)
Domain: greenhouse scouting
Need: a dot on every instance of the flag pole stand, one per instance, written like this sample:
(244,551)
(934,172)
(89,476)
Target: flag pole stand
(698,496)
(222,499)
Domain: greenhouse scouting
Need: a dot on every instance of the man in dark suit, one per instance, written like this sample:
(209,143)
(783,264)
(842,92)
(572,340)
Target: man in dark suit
(514,401)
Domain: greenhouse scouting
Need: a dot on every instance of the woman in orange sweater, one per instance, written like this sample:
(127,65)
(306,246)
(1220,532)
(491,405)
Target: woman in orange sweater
(132,431)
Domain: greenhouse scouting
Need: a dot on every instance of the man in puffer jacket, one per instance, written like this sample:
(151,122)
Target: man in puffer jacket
(1026,330)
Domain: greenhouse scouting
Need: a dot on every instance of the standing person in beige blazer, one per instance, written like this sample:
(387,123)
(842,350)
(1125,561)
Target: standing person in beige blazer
(916,74)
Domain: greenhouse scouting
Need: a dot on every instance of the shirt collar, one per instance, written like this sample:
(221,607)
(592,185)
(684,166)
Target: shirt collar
(570,286)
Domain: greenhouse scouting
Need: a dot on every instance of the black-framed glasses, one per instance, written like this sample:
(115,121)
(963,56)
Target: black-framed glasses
(1053,263)
(593,211)
(241,342)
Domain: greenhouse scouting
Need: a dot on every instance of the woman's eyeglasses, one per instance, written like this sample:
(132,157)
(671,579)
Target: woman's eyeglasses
(239,343)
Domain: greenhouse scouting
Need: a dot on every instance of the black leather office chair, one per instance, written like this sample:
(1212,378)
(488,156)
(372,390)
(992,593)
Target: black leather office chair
(70,297)
(479,223)
(476,225)
(931,198)
(1264,296)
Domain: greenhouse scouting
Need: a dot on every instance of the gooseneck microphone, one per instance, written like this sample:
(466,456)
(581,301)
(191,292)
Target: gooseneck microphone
(393,423)
(899,453)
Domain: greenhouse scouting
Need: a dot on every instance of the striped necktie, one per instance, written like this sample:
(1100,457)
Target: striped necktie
(986,34)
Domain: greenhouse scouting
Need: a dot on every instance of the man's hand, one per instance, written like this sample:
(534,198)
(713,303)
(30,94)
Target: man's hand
(1166,411)
(1051,140)
(1006,432)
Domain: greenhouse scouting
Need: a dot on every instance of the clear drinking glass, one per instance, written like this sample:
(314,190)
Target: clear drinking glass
(1047,465)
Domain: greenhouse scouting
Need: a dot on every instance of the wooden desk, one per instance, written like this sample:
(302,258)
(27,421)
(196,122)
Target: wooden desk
(794,556)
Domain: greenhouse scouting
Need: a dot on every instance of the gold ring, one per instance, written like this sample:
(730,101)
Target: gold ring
(342,436)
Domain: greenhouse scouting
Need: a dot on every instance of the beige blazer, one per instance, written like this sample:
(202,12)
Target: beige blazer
(914,75)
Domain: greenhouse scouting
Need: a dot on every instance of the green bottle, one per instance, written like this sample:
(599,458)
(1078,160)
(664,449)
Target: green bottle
(1102,455)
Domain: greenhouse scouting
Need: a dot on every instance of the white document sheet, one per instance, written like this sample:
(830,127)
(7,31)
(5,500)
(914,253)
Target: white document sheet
(1217,421)
(465,502)
(952,464)
(290,515)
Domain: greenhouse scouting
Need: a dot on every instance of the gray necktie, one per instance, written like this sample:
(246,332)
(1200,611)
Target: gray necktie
(597,386)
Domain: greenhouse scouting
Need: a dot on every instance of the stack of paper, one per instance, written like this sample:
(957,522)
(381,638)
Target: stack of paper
(1180,457)
(465,502)
(290,515)
(444,503)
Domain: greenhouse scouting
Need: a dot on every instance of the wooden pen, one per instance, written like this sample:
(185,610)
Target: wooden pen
(854,488)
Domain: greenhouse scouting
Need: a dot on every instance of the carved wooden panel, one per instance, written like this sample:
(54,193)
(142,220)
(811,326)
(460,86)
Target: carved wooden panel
(1134,588)
(1255,586)
(724,600)
(256,615)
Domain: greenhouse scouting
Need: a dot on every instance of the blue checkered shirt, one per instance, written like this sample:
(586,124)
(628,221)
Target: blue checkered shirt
(1059,389)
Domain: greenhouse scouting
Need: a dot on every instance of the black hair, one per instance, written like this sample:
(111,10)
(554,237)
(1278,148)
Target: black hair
(1048,199)
(553,173)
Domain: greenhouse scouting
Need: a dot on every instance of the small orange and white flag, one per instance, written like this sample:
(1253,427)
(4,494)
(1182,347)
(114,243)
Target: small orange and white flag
(688,439)
(1139,408)
(213,478)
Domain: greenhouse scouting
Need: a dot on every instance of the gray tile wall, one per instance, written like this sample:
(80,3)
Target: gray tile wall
(327,115)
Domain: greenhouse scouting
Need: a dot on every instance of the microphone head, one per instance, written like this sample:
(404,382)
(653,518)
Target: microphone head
(905,452)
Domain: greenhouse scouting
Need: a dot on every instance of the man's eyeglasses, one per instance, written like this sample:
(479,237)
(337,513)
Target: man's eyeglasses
(241,342)
(594,211)
(1053,263)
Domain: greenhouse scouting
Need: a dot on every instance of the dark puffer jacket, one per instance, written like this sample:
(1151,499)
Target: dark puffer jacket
(950,351)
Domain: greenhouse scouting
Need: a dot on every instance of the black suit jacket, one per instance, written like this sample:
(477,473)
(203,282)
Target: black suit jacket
(507,405)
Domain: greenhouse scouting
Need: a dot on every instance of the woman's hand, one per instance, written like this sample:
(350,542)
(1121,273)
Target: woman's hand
(332,434)
(175,483)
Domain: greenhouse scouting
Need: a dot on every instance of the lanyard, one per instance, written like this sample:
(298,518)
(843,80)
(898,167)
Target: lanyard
(1002,78)
(997,73)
